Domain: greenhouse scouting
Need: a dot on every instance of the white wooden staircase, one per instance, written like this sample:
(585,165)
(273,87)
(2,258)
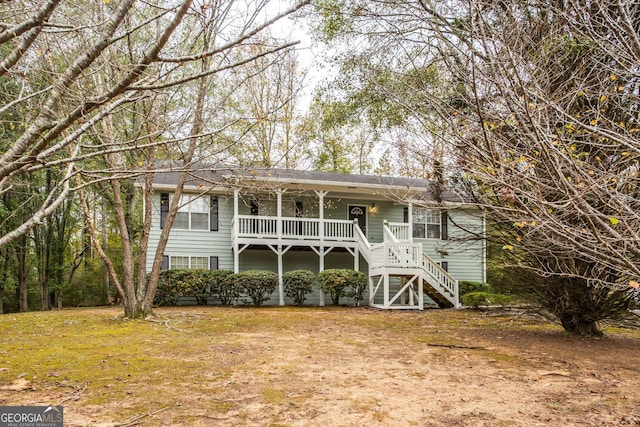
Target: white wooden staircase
(400,273)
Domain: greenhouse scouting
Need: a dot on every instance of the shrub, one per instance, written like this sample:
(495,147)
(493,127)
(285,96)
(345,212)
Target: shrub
(257,284)
(194,283)
(227,289)
(334,281)
(213,281)
(467,287)
(200,284)
(357,284)
(170,289)
(297,284)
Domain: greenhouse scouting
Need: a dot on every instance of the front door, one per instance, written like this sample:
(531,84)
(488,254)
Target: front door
(359,212)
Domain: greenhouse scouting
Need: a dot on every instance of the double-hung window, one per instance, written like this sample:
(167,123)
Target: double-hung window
(193,213)
(189,262)
(429,224)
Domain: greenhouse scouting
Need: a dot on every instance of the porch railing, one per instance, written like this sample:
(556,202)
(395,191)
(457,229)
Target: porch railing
(294,228)
(443,281)
(396,255)
(400,230)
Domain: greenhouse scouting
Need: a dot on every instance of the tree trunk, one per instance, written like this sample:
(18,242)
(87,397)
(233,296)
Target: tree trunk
(134,309)
(335,297)
(105,246)
(4,267)
(580,326)
(44,293)
(21,273)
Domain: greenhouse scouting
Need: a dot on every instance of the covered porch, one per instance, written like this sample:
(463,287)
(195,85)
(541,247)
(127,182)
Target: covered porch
(315,220)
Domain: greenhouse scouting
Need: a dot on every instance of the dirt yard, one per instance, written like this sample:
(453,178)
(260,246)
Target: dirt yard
(213,366)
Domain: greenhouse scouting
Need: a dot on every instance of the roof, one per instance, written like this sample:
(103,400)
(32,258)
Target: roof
(227,177)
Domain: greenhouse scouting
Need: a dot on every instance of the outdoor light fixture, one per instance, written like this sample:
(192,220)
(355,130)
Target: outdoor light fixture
(373,207)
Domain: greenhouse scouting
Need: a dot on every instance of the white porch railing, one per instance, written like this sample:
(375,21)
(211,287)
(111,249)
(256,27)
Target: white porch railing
(298,228)
(390,255)
(400,230)
(257,226)
(338,229)
(363,245)
(443,280)
(388,235)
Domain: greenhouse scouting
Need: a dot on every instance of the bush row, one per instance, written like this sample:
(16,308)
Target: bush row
(256,285)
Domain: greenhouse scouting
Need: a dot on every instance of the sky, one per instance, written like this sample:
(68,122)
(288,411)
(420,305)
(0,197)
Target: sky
(310,54)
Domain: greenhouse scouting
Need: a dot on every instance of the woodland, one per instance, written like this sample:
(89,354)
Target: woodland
(529,108)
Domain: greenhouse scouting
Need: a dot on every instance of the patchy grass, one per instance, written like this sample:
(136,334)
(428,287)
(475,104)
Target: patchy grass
(312,366)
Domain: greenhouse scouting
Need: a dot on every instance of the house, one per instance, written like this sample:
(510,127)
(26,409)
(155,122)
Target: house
(413,250)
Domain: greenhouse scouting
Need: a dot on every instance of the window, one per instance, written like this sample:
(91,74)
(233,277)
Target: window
(179,262)
(293,208)
(267,207)
(200,262)
(193,213)
(185,262)
(426,223)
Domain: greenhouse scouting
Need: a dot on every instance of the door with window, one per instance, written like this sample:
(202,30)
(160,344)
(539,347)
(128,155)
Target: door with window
(359,213)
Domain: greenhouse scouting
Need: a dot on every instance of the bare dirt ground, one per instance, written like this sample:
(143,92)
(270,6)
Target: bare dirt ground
(213,366)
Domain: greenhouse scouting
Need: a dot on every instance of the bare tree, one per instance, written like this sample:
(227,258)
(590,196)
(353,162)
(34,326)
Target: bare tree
(264,96)
(547,98)
(537,103)
(117,84)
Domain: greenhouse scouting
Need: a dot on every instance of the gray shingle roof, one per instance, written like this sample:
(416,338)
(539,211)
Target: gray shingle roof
(226,176)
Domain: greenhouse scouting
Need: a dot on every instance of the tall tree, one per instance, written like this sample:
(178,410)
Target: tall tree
(538,105)
(119,84)
(264,98)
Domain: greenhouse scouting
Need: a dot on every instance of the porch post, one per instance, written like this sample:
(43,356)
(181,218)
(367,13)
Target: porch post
(280,282)
(386,290)
(371,296)
(410,219)
(235,232)
(280,254)
(321,195)
(356,259)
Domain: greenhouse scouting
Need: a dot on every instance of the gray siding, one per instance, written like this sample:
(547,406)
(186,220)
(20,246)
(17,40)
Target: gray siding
(465,256)
(201,243)
(463,253)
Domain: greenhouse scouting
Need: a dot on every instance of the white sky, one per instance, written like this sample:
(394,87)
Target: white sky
(310,54)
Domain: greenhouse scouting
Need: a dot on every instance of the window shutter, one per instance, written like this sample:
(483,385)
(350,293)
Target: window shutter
(444,225)
(165,262)
(213,263)
(213,215)
(164,208)
(405,215)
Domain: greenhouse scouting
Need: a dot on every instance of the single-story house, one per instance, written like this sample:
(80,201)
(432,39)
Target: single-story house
(412,248)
